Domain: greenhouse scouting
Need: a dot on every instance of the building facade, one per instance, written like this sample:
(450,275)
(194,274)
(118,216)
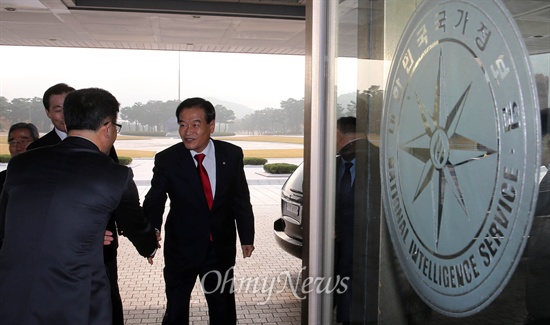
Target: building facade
(446,226)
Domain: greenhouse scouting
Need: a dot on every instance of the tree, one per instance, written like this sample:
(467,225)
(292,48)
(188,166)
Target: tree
(133,114)
(157,112)
(156,115)
(152,115)
(369,106)
(246,124)
(25,110)
(294,115)
(37,115)
(224,116)
(4,108)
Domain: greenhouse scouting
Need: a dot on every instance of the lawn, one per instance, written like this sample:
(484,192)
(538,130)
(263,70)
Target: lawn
(265,138)
(261,153)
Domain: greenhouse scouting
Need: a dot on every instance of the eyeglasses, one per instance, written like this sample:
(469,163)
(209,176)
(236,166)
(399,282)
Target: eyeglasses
(15,143)
(117,126)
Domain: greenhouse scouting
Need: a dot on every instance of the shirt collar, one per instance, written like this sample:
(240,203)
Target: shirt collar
(347,161)
(62,135)
(208,151)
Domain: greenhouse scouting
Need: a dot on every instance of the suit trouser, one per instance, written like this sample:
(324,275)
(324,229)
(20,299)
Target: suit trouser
(538,276)
(116,300)
(343,272)
(217,286)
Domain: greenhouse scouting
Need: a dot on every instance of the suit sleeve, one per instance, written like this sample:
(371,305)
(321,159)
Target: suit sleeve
(131,220)
(242,207)
(3,205)
(155,200)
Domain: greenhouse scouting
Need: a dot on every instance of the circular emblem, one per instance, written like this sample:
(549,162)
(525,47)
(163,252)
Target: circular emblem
(460,152)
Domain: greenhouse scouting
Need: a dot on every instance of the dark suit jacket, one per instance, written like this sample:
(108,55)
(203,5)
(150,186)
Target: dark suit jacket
(48,139)
(52,138)
(358,235)
(190,222)
(2,179)
(55,206)
(538,252)
(109,251)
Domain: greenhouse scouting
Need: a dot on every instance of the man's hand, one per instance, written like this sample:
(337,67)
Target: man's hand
(159,238)
(247,250)
(152,256)
(108,238)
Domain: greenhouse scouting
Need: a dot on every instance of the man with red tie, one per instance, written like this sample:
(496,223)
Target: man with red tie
(209,204)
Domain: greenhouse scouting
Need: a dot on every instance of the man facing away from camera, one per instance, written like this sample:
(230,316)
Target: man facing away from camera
(51,261)
(53,100)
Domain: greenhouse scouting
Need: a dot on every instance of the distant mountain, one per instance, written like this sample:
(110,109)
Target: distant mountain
(239,109)
(242,110)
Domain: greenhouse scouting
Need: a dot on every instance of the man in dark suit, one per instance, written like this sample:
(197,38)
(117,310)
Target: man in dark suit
(200,234)
(20,135)
(53,104)
(538,245)
(352,218)
(51,262)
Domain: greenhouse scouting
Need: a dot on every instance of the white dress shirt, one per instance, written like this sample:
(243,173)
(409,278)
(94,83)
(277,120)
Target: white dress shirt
(209,163)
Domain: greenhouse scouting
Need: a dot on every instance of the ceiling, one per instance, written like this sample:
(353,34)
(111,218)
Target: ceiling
(533,20)
(255,26)
(236,26)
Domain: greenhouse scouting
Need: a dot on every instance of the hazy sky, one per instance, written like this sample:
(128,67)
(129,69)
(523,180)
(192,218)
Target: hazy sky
(255,80)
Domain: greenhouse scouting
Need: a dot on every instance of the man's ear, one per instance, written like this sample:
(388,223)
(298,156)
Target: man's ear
(212,126)
(106,131)
(105,136)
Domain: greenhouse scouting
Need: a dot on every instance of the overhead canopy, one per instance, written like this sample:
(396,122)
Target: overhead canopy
(234,26)
(260,26)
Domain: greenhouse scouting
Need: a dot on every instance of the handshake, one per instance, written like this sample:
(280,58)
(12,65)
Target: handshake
(108,239)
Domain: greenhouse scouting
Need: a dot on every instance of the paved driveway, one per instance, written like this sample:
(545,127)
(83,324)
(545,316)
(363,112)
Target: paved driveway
(158,144)
(265,283)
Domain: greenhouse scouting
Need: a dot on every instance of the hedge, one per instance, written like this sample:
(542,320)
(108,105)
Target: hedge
(124,161)
(254,161)
(280,168)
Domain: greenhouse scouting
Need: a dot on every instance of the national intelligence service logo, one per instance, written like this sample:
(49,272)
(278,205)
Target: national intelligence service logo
(460,151)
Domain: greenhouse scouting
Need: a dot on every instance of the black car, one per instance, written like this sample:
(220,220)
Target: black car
(288,228)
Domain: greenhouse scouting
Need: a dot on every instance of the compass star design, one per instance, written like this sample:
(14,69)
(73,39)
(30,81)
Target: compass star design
(441,149)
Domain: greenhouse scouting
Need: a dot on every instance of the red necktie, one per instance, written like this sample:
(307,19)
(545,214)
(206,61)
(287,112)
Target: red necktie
(204,180)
